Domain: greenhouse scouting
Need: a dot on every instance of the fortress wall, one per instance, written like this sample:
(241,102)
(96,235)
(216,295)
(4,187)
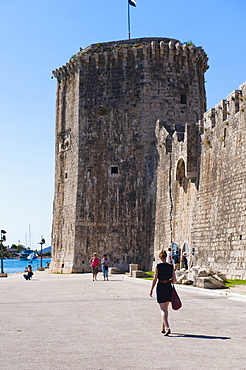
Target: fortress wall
(66,174)
(122,88)
(185,173)
(201,196)
(164,200)
(218,231)
(177,176)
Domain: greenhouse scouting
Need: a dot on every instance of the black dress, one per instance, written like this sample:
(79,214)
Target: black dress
(164,290)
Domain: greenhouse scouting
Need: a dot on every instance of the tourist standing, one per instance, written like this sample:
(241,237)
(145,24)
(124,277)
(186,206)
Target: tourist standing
(94,261)
(169,256)
(165,274)
(176,260)
(185,260)
(104,263)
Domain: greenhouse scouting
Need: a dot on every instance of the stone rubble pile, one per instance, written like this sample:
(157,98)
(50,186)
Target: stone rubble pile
(201,278)
(196,276)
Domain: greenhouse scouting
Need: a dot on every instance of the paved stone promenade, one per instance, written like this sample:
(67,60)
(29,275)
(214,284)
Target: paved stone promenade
(57,322)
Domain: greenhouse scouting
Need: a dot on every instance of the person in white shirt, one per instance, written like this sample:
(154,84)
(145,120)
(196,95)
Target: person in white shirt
(169,255)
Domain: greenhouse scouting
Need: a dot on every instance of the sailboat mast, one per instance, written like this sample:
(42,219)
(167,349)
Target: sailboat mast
(30,237)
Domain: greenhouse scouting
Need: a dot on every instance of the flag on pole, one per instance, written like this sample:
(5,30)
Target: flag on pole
(132,2)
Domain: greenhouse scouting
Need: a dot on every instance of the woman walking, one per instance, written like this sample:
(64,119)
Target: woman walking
(94,261)
(164,273)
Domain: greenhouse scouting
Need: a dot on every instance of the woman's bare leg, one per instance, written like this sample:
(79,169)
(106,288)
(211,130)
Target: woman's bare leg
(164,315)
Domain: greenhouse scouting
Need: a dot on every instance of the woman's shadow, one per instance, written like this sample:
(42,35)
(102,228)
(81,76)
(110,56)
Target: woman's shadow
(198,336)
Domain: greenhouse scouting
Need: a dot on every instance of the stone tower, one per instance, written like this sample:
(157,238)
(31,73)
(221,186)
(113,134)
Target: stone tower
(109,97)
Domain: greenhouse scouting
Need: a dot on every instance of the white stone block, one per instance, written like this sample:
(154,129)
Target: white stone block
(209,283)
(133,267)
(115,270)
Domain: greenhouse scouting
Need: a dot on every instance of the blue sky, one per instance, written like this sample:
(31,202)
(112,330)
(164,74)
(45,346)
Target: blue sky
(37,37)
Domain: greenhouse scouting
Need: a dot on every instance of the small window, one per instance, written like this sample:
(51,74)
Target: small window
(66,175)
(183,99)
(114,170)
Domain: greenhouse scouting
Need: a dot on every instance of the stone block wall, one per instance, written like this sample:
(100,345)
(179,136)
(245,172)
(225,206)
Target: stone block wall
(201,196)
(66,175)
(109,97)
(139,167)
(218,230)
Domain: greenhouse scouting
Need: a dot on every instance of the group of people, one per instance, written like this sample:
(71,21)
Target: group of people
(95,263)
(164,277)
(175,259)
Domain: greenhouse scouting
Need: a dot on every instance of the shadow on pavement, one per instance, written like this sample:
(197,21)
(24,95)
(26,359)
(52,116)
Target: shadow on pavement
(198,336)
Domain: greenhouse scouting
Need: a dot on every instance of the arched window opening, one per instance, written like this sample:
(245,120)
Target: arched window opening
(180,172)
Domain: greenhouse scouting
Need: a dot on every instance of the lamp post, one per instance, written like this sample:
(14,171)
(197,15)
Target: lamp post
(3,238)
(41,261)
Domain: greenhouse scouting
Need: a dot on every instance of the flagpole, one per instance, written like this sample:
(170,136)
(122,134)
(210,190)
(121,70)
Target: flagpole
(129,30)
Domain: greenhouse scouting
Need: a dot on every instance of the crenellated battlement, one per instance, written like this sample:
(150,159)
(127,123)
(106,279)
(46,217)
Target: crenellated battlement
(159,49)
(227,113)
(226,110)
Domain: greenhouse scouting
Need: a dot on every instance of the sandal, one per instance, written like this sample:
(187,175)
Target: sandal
(167,332)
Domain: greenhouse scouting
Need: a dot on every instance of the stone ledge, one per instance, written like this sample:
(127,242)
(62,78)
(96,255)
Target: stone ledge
(3,274)
(140,274)
(115,270)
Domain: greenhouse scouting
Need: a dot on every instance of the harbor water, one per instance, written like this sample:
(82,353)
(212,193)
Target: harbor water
(12,266)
